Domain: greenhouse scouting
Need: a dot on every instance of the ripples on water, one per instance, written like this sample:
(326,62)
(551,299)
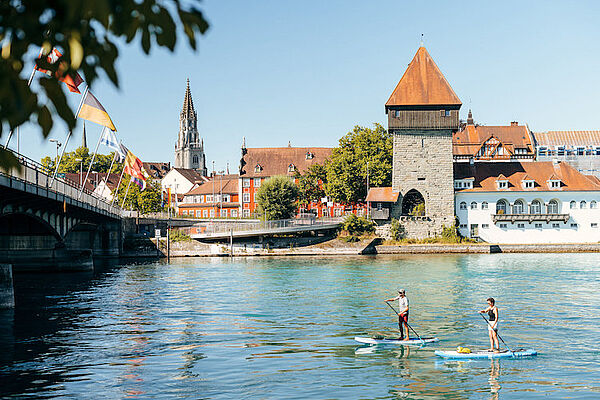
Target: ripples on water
(282,328)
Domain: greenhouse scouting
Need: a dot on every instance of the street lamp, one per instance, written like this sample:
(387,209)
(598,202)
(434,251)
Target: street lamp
(58,144)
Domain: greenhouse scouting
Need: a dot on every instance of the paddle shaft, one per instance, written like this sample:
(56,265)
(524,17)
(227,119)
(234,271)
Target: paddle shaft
(398,314)
(497,334)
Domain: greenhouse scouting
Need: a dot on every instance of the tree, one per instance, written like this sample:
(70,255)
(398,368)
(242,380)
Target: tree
(146,201)
(87,33)
(277,198)
(70,163)
(347,166)
(311,184)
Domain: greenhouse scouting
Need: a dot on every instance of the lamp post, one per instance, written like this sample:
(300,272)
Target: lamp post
(58,144)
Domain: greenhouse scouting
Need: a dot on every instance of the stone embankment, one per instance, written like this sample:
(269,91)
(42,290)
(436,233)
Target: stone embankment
(480,248)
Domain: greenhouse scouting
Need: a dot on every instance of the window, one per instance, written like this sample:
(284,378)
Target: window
(501,207)
(518,207)
(473,205)
(195,159)
(594,225)
(528,184)
(184,212)
(503,226)
(580,151)
(502,184)
(209,198)
(555,225)
(484,205)
(256,182)
(538,226)
(246,197)
(542,151)
(309,155)
(463,205)
(337,212)
(291,168)
(445,113)
(536,207)
(198,213)
(521,226)
(573,205)
(379,206)
(560,151)
(246,182)
(573,225)
(593,204)
(205,213)
(224,213)
(582,204)
(554,184)
(553,207)
(485,226)
(246,213)
(217,198)
(233,213)
(258,169)
(212,212)
(361,212)
(202,199)
(463,226)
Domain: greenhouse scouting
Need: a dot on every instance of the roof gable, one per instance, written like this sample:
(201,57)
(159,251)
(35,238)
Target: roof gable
(423,84)
(278,160)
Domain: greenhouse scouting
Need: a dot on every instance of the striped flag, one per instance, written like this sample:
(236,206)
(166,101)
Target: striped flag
(133,166)
(109,139)
(92,110)
(71,82)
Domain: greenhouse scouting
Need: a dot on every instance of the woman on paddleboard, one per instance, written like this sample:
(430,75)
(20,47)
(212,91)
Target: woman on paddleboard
(402,312)
(492,312)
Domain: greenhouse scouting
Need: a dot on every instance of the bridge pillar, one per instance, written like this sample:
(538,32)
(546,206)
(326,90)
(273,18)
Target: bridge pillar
(7,295)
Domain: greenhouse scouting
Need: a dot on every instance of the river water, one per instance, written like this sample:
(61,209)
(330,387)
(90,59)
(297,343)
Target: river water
(283,328)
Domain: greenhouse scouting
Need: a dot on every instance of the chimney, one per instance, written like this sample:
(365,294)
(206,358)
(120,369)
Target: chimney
(514,123)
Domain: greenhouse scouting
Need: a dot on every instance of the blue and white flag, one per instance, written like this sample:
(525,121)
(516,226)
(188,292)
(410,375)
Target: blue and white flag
(109,139)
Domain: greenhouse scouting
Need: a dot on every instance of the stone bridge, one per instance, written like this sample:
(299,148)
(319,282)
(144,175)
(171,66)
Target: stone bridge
(45,224)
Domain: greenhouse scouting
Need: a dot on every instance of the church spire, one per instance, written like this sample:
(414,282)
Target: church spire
(84,138)
(188,104)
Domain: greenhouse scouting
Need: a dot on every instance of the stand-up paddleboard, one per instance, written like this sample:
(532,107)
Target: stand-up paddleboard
(409,342)
(453,354)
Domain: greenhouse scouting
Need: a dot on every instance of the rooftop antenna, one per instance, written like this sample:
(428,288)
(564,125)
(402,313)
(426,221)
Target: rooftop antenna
(422,42)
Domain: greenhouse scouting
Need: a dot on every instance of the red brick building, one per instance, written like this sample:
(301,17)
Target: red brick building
(218,198)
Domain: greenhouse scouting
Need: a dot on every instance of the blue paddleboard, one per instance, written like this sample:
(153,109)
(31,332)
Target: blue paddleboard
(452,354)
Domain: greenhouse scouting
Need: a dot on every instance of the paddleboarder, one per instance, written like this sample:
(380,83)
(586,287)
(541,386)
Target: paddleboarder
(402,312)
(492,312)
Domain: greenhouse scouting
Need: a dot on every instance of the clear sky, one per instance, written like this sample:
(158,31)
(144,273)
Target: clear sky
(308,71)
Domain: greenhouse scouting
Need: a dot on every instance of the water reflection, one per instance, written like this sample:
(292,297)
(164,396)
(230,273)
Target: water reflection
(494,374)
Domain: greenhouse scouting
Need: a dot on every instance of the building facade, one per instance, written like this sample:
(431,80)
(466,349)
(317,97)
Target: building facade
(218,198)
(581,149)
(181,181)
(189,148)
(527,202)
(423,114)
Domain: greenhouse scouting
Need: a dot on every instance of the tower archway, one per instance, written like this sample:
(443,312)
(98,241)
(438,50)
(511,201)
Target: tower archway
(413,203)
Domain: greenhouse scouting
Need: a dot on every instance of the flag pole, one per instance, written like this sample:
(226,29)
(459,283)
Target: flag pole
(91,163)
(85,92)
(126,192)
(118,184)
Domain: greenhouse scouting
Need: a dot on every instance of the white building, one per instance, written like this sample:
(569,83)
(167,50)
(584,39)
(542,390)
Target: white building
(181,180)
(581,149)
(526,202)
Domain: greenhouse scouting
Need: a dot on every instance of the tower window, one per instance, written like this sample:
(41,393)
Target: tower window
(195,160)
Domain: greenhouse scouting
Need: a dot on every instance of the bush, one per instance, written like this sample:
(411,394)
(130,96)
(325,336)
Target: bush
(397,230)
(276,199)
(358,225)
(450,233)
(178,236)
(418,210)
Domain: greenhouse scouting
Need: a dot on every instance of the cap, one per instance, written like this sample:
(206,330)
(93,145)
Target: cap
(401,291)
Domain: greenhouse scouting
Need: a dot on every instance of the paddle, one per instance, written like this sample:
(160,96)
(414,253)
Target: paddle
(497,334)
(398,314)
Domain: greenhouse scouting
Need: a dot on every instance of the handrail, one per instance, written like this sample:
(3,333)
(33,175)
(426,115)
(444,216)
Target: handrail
(212,228)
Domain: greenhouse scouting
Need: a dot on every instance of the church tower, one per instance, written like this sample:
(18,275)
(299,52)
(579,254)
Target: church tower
(422,116)
(189,149)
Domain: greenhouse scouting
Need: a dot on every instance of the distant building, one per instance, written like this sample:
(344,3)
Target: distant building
(526,202)
(217,198)
(422,117)
(99,183)
(473,142)
(581,149)
(181,180)
(189,149)
(157,170)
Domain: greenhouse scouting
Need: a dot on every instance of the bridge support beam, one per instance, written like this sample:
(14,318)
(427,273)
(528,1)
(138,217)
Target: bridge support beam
(7,294)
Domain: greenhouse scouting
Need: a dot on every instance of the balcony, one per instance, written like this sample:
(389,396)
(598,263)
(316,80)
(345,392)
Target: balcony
(512,218)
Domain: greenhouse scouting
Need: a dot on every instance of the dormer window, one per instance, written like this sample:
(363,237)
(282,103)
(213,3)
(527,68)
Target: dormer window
(258,169)
(291,168)
(554,183)
(527,183)
(309,155)
(502,184)
(463,183)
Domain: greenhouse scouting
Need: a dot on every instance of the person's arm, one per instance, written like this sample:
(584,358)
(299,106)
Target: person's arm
(395,298)
(484,311)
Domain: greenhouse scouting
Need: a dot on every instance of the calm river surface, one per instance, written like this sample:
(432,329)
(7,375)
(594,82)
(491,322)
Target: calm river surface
(283,328)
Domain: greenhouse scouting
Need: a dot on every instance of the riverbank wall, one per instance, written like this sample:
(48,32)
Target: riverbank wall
(481,248)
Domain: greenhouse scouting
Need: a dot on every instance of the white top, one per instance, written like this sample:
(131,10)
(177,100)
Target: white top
(402,303)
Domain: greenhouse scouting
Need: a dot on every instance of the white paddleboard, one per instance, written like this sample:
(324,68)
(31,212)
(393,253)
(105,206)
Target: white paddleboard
(485,354)
(395,341)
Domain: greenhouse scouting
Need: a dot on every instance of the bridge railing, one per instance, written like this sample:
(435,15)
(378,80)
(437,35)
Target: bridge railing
(215,228)
(34,173)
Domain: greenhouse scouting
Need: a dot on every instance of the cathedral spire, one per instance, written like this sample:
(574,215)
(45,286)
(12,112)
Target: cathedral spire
(84,138)
(188,104)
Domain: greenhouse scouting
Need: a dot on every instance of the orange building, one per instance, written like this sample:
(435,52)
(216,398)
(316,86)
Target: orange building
(218,198)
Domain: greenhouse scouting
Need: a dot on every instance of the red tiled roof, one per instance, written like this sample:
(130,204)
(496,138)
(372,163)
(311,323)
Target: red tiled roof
(469,140)
(190,174)
(382,194)
(277,160)
(227,184)
(487,173)
(157,170)
(423,84)
(94,179)
(567,138)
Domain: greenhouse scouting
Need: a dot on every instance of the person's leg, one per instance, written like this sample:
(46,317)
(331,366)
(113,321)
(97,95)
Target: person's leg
(490,334)
(406,323)
(400,323)
(496,340)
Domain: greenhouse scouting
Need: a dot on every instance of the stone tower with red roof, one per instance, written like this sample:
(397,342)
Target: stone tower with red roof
(422,116)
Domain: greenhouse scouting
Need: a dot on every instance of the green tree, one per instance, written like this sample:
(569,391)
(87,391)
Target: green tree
(311,184)
(88,33)
(277,198)
(347,166)
(145,201)
(71,162)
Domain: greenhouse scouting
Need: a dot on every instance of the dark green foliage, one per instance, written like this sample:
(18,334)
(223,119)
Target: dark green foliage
(146,201)
(178,236)
(69,162)
(277,198)
(418,210)
(397,230)
(347,167)
(357,225)
(87,34)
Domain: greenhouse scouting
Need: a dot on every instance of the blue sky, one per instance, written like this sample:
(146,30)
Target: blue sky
(308,71)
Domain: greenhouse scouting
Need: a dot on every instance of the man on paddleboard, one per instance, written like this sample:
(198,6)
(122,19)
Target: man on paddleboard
(402,312)
(492,312)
